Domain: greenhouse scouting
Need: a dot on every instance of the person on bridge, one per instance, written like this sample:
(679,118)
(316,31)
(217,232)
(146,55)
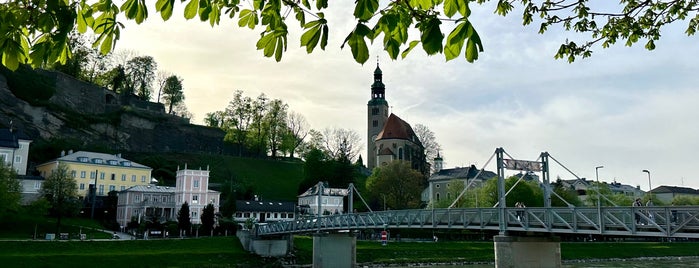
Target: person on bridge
(637,203)
(520,213)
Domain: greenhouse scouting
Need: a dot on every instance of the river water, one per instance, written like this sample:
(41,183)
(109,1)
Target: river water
(674,262)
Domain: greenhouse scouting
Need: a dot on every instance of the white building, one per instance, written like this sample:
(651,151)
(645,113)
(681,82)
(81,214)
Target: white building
(264,210)
(14,149)
(163,202)
(331,200)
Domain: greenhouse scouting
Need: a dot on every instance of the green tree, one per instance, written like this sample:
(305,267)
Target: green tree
(208,218)
(275,121)
(141,73)
(236,120)
(527,192)
(298,129)
(258,132)
(10,188)
(61,190)
(36,32)
(454,188)
(396,183)
(568,194)
(172,91)
(183,222)
(429,142)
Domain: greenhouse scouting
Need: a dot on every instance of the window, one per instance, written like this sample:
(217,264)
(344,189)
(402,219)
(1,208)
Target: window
(123,177)
(126,163)
(137,198)
(194,214)
(37,185)
(113,162)
(73,174)
(437,196)
(375,123)
(123,188)
(196,183)
(133,178)
(375,111)
(82,186)
(97,160)
(83,159)
(143,178)
(436,185)
(112,188)
(101,191)
(247,214)
(238,214)
(18,159)
(101,175)
(93,175)
(400,153)
(113,176)
(195,199)
(82,174)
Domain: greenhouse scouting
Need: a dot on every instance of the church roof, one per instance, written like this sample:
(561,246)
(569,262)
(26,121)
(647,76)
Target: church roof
(9,139)
(386,151)
(396,128)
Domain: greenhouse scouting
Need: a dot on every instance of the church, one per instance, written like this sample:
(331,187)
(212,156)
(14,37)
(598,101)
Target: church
(389,137)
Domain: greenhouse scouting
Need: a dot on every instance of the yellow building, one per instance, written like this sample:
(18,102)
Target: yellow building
(108,172)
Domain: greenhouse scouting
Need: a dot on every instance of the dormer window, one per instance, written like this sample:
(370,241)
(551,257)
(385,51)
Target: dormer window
(83,159)
(97,160)
(126,163)
(113,162)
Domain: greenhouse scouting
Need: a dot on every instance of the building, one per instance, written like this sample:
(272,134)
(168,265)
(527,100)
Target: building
(668,193)
(389,137)
(31,188)
(329,201)
(146,202)
(108,172)
(440,180)
(582,186)
(264,211)
(14,149)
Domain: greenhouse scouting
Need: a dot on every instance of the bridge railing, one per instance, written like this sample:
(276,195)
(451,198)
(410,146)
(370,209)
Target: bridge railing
(622,221)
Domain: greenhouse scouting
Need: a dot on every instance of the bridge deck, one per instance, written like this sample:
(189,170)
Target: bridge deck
(672,222)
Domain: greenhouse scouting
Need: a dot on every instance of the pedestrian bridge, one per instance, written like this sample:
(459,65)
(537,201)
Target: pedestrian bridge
(669,222)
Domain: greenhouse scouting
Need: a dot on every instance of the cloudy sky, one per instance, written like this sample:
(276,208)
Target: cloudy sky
(627,109)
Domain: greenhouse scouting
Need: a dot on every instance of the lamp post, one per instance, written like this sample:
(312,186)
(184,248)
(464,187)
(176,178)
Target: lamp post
(599,198)
(650,189)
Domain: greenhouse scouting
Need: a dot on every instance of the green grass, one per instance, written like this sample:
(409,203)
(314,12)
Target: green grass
(477,252)
(22,226)
(203,252)
(271,179)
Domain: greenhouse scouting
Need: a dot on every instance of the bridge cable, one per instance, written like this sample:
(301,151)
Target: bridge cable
(360,197)
(579,179)
(469,184)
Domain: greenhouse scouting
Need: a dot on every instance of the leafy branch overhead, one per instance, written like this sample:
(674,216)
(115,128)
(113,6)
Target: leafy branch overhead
(36,32)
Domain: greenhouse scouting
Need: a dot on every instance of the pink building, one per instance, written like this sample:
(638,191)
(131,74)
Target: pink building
(163,202)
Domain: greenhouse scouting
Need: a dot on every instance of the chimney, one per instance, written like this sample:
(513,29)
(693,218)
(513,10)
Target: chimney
(70,151)
(63,153)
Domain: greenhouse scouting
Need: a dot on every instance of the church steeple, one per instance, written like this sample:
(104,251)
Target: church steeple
(377,115)
(378,90)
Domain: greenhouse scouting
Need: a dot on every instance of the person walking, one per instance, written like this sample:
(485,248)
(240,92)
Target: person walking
(637,203)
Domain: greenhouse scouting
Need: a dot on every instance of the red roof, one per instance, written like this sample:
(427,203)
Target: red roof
(396,128)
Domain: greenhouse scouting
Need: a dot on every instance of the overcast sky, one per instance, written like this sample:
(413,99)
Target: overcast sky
(627,109)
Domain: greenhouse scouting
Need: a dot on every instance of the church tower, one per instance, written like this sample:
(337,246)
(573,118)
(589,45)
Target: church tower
(377,114)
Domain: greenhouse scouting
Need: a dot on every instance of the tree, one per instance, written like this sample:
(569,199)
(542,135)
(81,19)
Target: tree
(396,183)
(215,119)
(454,188)
(208,218)
(340,143)
(10,188)
(237,119)
(183,222)
(259,133)
(61,190)
(172,92)
(298,130)
(160,80)
(527,192)
(275,121)
(141,73)
(429,142)
(37,32)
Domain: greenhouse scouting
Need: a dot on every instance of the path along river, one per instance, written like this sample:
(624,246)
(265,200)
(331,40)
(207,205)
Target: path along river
(674,262)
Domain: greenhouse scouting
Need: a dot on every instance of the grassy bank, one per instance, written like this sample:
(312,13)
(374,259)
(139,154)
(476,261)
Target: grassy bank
(470,252)
(204,252)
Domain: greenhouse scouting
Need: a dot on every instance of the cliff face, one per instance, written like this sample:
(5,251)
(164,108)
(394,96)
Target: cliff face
(96,117)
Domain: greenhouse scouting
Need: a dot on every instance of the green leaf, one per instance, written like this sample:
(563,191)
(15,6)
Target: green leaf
(165,8)
(320,4)
(450,7)
(393,48)
(365,9)
(358,45)
(455,40)
(310,38)
(431,36)
(190,11)
(410,48)
(473,45)
(136,10)
(204,9)
(324,37)
(247,17)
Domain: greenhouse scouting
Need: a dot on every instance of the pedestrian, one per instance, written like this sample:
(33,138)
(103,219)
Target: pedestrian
(520,212)
(637,214)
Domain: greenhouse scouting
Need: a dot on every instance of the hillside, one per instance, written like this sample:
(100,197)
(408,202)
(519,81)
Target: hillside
(270,179)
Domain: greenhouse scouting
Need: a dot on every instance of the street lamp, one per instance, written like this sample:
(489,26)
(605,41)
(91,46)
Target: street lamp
(650,189)
(599,198)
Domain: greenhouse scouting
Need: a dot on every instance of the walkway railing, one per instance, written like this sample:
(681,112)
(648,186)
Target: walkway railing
(671,222)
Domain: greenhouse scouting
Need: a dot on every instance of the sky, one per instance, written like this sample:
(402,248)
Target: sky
(625,108)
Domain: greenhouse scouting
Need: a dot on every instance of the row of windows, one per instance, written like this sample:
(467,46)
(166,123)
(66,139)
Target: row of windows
(267,215)
(4,157)
(309,201)
(102,176)
(85,159)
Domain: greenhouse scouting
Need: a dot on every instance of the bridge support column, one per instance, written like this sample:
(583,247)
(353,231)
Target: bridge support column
(515,251)
(334,250)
